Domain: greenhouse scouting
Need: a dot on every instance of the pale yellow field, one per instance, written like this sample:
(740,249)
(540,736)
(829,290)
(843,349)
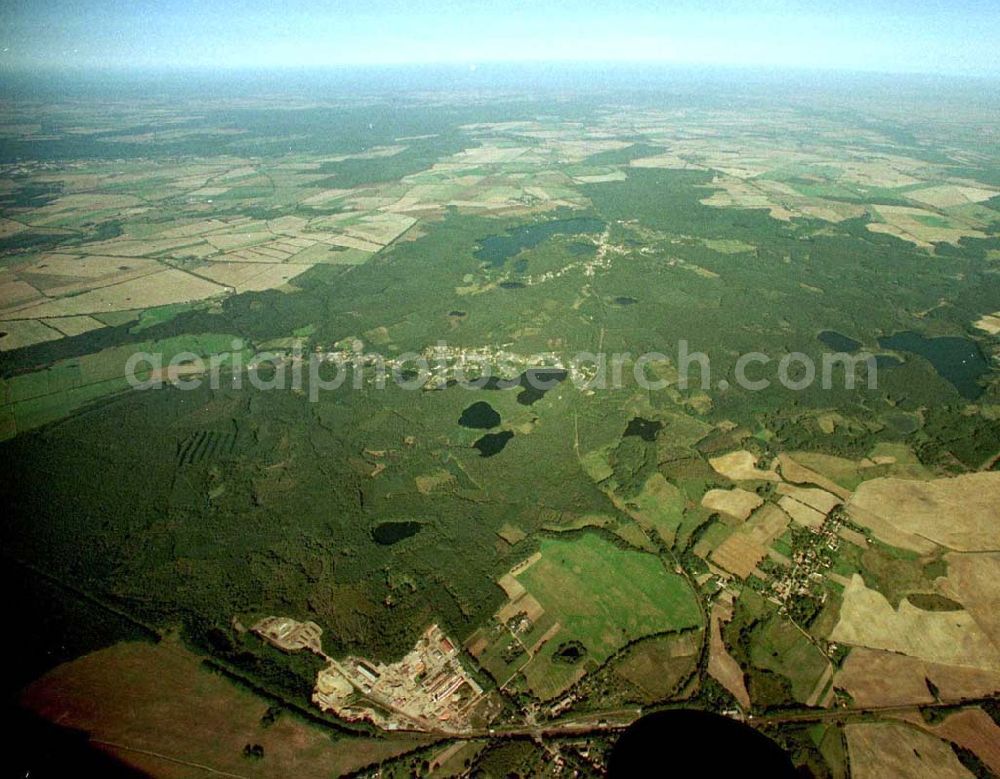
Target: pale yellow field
(154,289)
(974,581)
(905,222)
(25,332)
(948,637)
(959,513)
(989,323)
(821,500)
(794,471)
(739,554)
(736,502)
(74,325)
(600,178)
(721,665)
(248,277)
(741,465)
(9,227)
(15,293)
(949,195)
(801,513)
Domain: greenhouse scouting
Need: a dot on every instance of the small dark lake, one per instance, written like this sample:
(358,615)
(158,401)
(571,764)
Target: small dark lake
(479,416)
(493,443)
(389,533)
(538,381)
(838,342)
(624,300)
(511,285)
(687,743)
(497,249)
(646,429)
(534,383)
(957,360)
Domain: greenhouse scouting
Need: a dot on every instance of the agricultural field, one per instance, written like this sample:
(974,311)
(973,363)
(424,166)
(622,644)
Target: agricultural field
(567,610)
(596,536)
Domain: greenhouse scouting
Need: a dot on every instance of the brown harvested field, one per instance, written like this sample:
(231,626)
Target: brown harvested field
(975,730)
(879,750)
(155,289)
(74,325)
(15,293)
(832,474)
(427,483)
(736,502)
(600,178)
(144,698)
(950,195)
(822,693)
(948,637)
(821,500)
(330,254)
(511,586)
(126,248)
(853,537)
(20,333)
(890,533)
(353,242)
(9,227)
(739,554)
(959,513)
(451,761)
(381,228)
(477,644)
(721,665)
(323,198)
(877,678)
(666,160)
(88,266)
(227,242)
(512,534)
(766,525)
(249,277)
(920,226)
(193,228)
(657,665)
(736,193)
(527,604)
(741,465)
(66,205)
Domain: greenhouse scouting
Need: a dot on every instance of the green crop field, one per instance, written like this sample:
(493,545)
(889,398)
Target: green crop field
(604,597)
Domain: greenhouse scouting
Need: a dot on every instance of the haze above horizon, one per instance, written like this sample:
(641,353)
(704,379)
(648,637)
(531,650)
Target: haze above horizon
(923,36)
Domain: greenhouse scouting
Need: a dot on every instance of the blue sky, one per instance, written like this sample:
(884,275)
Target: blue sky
(958,37)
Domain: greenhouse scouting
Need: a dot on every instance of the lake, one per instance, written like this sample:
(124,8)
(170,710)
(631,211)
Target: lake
(479,416)
(389,533)
(838,342)
(497,249)
(646,429)
(957,360)
(493,443)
